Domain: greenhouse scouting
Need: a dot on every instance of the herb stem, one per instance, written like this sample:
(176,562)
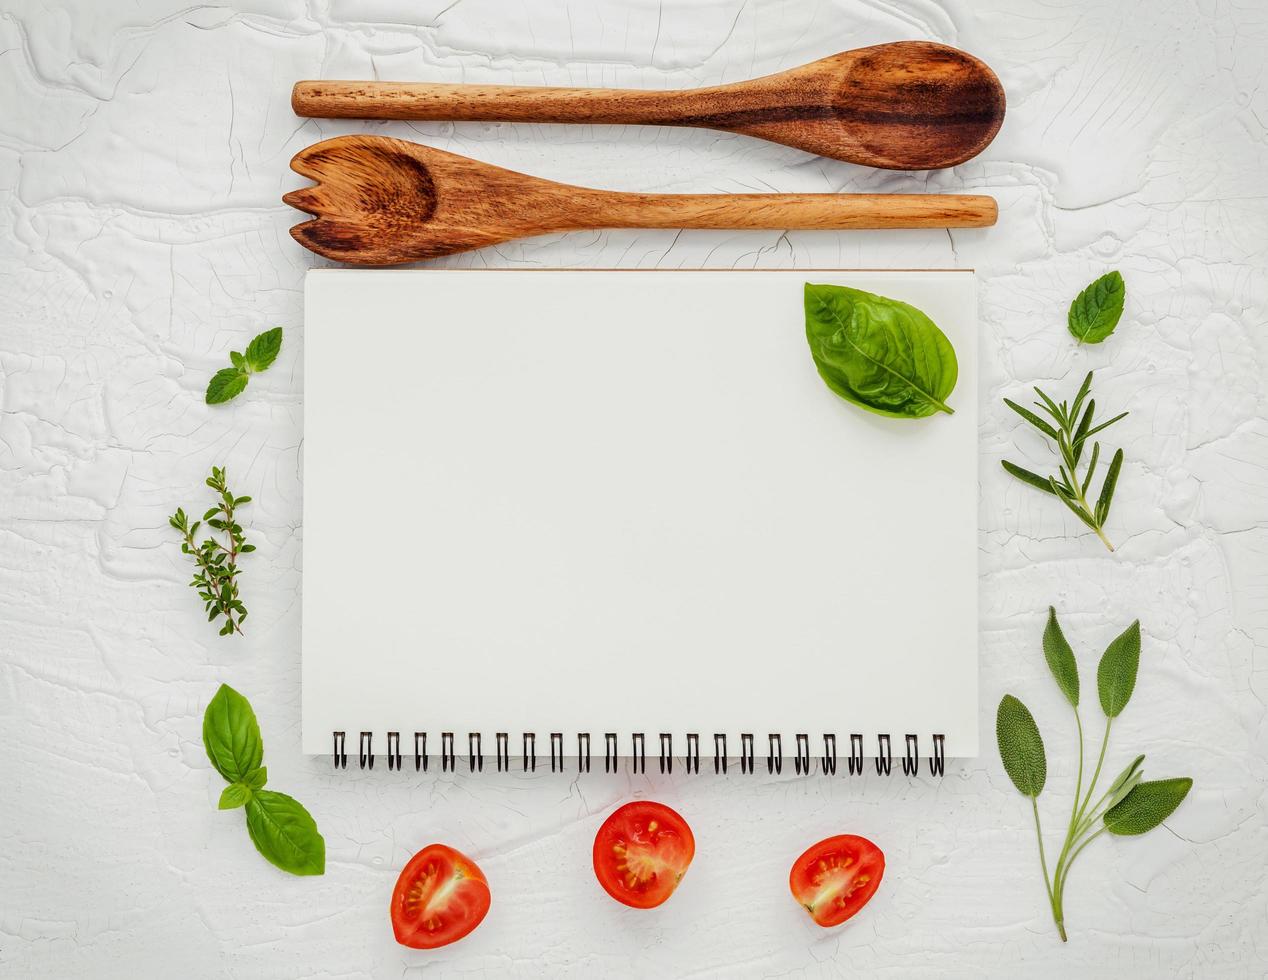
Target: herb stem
(1096,774)
(1043,861)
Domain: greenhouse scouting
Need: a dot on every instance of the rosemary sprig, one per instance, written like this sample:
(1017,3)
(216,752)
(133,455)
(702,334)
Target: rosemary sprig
(1071,427)
(217,576)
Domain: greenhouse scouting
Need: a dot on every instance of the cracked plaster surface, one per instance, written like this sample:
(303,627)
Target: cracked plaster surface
(143,151)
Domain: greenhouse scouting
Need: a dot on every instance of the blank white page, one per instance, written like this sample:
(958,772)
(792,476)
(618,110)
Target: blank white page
(598,501)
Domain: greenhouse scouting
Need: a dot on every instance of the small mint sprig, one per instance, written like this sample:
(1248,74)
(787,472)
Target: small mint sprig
(217,577)
(1070,429)
(1130,806)
(229,382)
(279,825)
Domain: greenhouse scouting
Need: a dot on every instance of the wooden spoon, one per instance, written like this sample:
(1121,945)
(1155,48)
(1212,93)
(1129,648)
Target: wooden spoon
(384,201)
(910,105)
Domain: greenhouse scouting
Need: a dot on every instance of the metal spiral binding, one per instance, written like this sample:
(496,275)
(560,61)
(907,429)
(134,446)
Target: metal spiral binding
(802,759)
(693,752)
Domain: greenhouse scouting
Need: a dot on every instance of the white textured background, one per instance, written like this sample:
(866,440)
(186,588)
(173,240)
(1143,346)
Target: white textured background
(143,149)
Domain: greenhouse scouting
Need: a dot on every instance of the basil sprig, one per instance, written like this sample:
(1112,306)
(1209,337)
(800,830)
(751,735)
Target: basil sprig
(1131,805)
(229,382)
(279,826)
(880,354)
(1095,312)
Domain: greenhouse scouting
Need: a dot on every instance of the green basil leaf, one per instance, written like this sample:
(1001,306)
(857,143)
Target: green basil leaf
(225,384)
(1096,311)
(263,351)
(285,833)
(256,778)
(878,353)
(231,734)
(1056,650)
(234,796)
(1146,806)
(1116,674)
(1020,746)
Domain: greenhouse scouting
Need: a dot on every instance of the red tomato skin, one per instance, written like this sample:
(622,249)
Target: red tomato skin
(864,857)
(674,843)
(471,896)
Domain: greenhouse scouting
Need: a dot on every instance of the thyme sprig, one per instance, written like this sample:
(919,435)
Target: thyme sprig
(217,561)
(1071,427)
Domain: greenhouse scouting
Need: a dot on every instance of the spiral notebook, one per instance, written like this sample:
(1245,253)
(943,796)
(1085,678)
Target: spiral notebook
(556,519)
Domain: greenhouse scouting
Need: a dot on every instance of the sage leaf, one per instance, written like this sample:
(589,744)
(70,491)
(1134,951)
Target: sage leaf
(1020,746)
(234,796)
(1116,674)
(1096,311)
(263,350)
(1125,782)
(1146,806)
(225,384)
(878,353)
(231,735)
(285,833)
(1056,650)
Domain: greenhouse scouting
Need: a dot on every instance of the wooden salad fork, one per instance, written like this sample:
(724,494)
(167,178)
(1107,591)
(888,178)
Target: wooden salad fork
(384,201)
(908,105)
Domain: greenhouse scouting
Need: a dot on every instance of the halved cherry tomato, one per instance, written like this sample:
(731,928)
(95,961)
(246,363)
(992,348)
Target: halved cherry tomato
(641,853)
(440,896)
(837,877)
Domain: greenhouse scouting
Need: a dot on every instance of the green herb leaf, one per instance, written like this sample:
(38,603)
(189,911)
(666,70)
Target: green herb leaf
(225,384)
(1032,418)
(1116,674)
(1125,782)
(1020,746)
(234,796)
(1146,806)
(263,350)
(1096,311)
(1107,489)
(285,833)
(256,778)
(231,735)
(1065,671)
(1026,476)
(883,355)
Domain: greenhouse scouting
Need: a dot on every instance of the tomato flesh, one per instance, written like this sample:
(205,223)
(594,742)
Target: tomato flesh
(641,853)
(441,896)
(837,877)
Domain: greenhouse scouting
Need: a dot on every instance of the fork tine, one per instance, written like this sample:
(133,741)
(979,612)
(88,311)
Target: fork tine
(308,199)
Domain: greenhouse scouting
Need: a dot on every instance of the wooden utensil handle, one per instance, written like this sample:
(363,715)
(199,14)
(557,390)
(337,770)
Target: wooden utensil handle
(498,103)
(800,211)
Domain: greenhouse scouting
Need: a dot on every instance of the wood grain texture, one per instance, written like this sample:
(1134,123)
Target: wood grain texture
(909,105)
(383,201)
